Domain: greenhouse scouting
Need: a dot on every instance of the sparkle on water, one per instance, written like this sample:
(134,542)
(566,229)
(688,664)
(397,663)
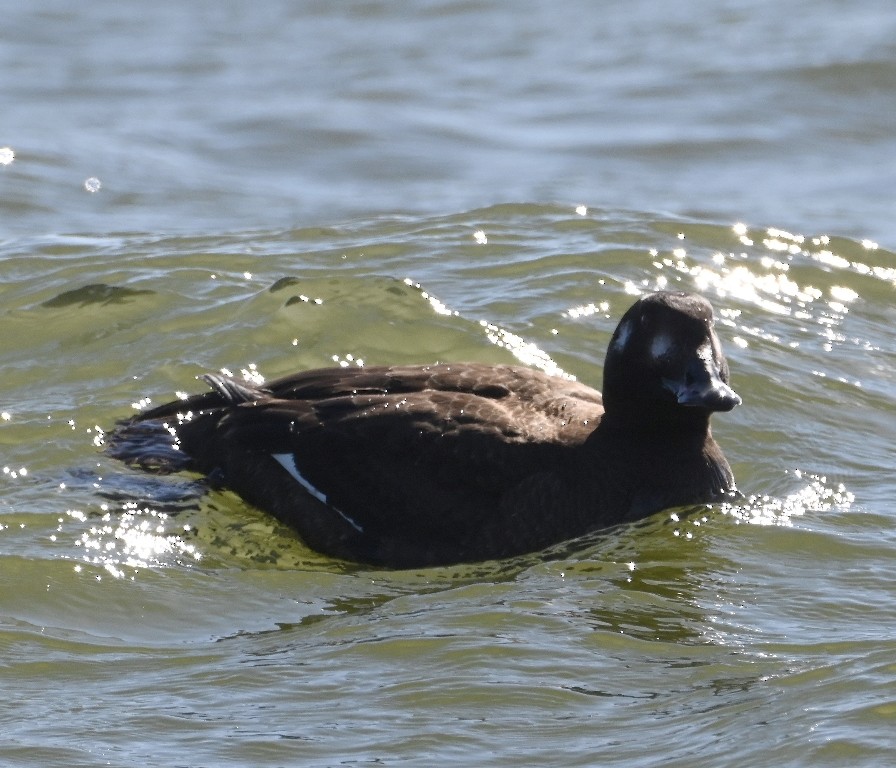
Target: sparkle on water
(131,537)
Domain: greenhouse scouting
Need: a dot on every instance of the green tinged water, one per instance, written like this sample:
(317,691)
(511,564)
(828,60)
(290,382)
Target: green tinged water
(146,622)
(186,187)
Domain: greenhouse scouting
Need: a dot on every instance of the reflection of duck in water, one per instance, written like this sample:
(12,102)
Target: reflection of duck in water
(423,465)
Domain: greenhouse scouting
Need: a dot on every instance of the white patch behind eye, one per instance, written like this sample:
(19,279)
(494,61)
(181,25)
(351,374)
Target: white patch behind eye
(623,334)
(661,346)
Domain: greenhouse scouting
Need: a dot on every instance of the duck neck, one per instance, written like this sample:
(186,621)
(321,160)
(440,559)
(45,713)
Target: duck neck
(647,418)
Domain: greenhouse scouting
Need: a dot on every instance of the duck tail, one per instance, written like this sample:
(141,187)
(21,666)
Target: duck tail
(149,440)
(148,444)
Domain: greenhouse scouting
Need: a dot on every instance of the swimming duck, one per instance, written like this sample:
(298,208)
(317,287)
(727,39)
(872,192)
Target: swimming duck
(408,466)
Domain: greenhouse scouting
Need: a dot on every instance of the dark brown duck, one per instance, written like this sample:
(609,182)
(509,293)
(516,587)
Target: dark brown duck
(407,466)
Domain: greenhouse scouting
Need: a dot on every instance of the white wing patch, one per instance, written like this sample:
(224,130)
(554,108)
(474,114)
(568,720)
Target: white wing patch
(288,462)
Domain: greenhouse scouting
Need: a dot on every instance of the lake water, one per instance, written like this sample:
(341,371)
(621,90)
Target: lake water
(270,187)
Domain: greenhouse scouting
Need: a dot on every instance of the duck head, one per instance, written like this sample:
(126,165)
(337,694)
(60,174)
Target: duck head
(665,362)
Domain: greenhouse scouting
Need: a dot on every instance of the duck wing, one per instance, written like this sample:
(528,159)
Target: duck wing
(409,460)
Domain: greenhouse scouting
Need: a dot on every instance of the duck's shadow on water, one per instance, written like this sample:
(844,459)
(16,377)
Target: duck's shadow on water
(643,580)
(172,495)
(178,496)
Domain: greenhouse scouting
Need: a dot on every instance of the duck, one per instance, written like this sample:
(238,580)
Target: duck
(410,466)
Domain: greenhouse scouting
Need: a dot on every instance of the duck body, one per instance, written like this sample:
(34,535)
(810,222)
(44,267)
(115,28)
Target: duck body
(408,466)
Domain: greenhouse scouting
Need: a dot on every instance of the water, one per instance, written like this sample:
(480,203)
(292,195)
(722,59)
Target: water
(283,186)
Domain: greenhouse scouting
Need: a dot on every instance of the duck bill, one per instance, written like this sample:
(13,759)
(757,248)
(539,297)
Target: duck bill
(703,387)
(718,397)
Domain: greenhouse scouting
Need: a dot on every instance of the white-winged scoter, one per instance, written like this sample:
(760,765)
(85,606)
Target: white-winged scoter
(407,466)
